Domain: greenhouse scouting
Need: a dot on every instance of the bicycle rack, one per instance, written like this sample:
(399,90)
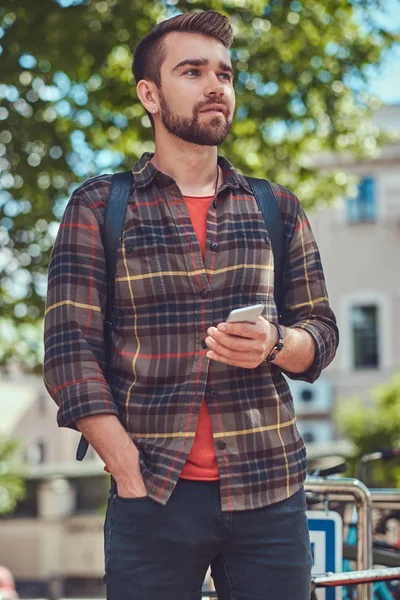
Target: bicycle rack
(344,488)
(385,498)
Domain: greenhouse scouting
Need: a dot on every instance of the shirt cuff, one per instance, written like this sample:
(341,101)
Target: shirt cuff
(84,399)
(314,371)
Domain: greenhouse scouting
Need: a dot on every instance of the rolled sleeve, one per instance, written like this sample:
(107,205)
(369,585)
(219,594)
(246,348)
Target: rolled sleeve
(325,338)
(74,317)
(84,399)
(306,303)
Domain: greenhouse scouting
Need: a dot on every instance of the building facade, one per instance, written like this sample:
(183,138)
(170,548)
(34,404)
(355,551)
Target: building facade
(359,242)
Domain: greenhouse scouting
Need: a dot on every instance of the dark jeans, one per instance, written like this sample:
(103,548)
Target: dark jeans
(156,552)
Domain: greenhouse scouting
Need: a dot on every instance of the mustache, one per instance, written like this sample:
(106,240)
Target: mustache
(213,103)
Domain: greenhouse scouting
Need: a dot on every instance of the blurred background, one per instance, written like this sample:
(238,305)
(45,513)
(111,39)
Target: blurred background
(318,110)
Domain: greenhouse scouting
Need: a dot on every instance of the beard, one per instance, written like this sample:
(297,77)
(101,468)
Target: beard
(210,132)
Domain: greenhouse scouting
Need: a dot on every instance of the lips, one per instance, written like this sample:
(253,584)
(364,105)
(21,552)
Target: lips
(215,108)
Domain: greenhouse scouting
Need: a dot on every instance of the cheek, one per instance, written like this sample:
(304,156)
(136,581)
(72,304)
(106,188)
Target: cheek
(177,95)
(186,98)
(232,104)
(230,96)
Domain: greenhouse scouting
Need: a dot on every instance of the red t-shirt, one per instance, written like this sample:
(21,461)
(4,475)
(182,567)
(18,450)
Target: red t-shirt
(201,462)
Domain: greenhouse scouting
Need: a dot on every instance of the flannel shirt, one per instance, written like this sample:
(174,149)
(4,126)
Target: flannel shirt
(165,299)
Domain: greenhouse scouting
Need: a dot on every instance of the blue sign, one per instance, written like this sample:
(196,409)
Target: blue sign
(326,536)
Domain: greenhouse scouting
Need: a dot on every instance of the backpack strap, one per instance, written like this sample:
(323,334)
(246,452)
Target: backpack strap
(268,205)
(114,219)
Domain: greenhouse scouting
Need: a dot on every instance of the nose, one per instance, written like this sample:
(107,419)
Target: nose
(218,91)
(214,87)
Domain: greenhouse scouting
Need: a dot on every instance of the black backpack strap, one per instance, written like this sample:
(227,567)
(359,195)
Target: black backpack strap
(114,219)
(269,208)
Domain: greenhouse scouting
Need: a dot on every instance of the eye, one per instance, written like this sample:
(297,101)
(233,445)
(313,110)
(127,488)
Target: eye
(228,76)
(192,71)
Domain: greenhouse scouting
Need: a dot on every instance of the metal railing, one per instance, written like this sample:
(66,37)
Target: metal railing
(345,489)
(385,498)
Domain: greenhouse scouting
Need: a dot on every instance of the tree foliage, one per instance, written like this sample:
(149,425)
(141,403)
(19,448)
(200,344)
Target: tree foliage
(372,425)
(70,110)
(12,485)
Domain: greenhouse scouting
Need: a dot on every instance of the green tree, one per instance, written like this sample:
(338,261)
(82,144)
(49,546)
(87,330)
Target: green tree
(372,425)
(12,485)
(69,110)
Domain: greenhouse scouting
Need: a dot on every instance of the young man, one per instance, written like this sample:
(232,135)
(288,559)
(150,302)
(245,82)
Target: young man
(195,421)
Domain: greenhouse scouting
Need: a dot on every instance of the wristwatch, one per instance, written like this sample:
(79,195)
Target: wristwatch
(278,346)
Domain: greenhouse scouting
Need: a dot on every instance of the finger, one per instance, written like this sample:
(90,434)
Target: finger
(245,330)
(232,342)
(255,352)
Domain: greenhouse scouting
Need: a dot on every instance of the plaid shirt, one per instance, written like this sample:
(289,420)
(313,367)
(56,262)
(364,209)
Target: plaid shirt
(165,299)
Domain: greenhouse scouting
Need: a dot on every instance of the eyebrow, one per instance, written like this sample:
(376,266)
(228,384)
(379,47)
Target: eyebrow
(201,62)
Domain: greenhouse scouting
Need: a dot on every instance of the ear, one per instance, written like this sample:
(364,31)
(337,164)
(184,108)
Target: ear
(148,96)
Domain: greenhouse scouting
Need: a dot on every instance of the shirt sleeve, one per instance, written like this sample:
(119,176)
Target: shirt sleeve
(306,303)
(73,326)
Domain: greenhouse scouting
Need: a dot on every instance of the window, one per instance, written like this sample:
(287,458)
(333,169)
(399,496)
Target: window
(307,395)
(35,454)
(363,208)
(364,324)
(42,404)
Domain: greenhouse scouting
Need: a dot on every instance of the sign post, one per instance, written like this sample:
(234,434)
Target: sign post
(326,536)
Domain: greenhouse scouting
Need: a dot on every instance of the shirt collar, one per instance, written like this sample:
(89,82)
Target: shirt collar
(145,172)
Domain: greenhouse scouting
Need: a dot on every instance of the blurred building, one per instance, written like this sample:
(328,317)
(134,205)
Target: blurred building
(54,542)
(359,242)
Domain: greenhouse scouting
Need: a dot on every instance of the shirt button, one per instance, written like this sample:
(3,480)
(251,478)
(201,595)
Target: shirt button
(204,294)
(203,343)
(221,444)
(129,248)
(267,239)
(214,393)
(214,246)
(215,203)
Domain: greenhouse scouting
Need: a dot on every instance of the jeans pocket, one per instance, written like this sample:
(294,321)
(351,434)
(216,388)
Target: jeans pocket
(131,500)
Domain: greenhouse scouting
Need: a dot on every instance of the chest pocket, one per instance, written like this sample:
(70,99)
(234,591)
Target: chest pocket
(142,266)
(257,282)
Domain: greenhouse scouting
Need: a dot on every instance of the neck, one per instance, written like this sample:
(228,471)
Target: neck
(193,167)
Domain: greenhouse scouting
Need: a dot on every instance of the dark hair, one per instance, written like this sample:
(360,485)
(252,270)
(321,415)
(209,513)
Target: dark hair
(150,51)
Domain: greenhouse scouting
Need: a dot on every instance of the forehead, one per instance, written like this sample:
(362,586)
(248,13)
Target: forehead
(181,46)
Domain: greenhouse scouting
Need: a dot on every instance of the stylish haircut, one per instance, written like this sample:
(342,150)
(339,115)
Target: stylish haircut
(150,51)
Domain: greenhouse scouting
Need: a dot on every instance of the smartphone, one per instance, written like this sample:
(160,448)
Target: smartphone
(247,314)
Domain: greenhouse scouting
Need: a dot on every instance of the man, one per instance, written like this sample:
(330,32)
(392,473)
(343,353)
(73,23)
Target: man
(195,422)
